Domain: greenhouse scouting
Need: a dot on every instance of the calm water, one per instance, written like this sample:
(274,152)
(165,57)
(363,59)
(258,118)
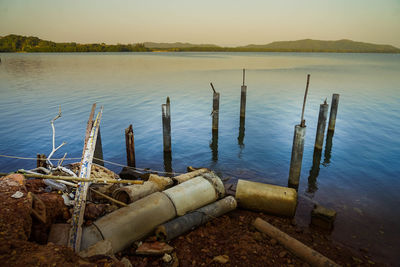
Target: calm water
(359,177)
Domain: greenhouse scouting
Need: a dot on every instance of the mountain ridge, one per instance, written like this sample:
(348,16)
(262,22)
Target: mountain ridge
(18,43)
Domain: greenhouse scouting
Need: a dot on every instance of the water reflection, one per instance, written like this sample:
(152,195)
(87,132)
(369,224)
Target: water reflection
(214,145)
(168,163)
(241,132)
(328,148)
(312,179)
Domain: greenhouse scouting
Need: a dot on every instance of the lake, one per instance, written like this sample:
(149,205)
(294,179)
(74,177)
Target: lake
(358,174)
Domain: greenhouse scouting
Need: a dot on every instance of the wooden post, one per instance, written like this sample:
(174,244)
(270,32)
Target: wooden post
(130,147)
(215,110)
(243,98)
(168,163)
(98,151)
(166,120)
(332,115)
(302,121)
(41,160)
(323,114)
(298,146)
(81,192)
(305,253)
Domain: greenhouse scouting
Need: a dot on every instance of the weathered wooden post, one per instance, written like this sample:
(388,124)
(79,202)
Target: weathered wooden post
(130,147)
(98,151)
(332,115)
(215,110)
(323,114)
(168,163)
(242,112)
(298,146)
(243,98)
(41,160)
(166,121)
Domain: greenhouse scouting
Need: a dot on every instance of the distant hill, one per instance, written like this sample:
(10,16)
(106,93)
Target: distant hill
(175,45)
(18,43)
(308,45)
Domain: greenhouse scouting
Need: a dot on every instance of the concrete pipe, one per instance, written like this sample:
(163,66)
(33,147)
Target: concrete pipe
(190,175)
(265,197)
(195,193)
(183,224)
(128,224)
(131,193)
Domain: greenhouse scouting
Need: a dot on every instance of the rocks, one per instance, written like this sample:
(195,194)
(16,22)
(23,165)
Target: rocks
(126,262)
(17,194)
(221,259)
(323,217)
(18,178)
(167,258)
(154,248)
(93,211)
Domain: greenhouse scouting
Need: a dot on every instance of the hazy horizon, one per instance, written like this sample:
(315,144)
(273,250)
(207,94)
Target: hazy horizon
(224,23)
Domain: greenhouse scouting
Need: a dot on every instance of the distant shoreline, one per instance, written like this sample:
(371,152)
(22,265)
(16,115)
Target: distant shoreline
(18,43)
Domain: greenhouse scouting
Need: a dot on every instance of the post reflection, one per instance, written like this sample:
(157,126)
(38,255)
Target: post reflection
(241,132)
(214,145)
(312,179)
(328,148)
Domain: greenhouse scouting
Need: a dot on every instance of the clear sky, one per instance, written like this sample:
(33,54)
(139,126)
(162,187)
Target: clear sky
(221,22)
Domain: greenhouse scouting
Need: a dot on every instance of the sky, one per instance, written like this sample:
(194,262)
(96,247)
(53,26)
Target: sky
(221,22)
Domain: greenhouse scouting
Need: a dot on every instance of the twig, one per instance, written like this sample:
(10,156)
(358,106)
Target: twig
(212,86)
(54,138)
(302,121)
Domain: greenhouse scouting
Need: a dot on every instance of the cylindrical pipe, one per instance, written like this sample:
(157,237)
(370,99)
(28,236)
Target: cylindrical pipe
(131,193)
(192,195)
(304,252)
(55,185)
(187,176)
(332,115)
(323,114)
(265,197)
(128,224)
(185,223)
(297,156)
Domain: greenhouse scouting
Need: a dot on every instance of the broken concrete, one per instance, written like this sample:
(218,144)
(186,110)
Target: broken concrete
(323,217)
